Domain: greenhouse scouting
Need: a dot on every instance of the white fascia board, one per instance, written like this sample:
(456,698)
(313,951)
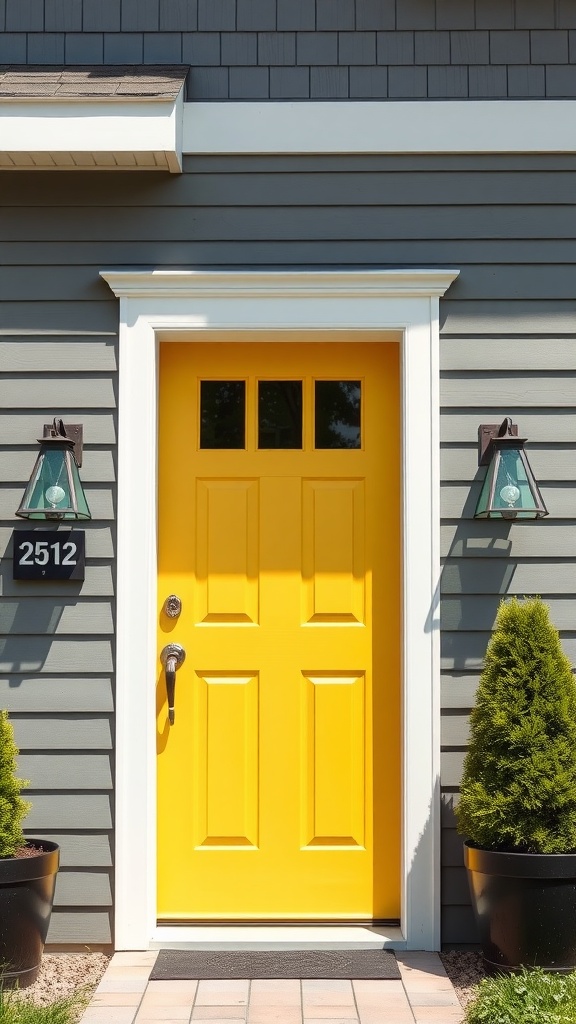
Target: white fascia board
(381,126)
(139,127)
(153,133)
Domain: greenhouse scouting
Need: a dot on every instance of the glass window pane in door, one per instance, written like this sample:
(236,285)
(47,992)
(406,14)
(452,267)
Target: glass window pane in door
(337,414)
(280,414)
(222,413)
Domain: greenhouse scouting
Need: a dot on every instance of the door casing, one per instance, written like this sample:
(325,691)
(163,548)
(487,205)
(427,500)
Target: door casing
(177,305)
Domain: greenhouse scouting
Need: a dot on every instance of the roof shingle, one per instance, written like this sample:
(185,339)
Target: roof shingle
(137,81)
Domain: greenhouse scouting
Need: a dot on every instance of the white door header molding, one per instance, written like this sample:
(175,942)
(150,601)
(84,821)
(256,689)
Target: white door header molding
(403,306)
(174,284)
(381,126)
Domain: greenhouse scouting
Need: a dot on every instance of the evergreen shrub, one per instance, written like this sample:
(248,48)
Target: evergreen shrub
(518,788)
(12,807)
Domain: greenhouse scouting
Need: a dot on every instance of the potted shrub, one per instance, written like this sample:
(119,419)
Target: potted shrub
(518,795)
(28,870)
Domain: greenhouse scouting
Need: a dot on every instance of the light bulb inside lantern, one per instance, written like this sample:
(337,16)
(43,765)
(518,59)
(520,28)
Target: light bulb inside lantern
(55,494)
(510,494)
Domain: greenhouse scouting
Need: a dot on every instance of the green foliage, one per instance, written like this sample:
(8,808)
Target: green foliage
(530,997)
(16,1007)
(12,807)
(519,782)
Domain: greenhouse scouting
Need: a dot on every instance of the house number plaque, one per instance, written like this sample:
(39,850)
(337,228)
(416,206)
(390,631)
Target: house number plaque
(47,555)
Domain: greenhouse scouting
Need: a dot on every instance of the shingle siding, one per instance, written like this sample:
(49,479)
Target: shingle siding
(521,50)
(45,47)
(101,17)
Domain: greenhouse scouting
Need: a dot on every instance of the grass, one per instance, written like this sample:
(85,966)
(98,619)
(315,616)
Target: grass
(16,1009)
(530,997)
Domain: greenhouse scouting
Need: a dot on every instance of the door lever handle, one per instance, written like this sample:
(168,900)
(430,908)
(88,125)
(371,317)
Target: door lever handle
(171,656)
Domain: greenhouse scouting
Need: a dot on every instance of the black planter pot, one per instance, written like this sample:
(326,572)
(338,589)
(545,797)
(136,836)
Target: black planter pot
(26,895)
(525,908)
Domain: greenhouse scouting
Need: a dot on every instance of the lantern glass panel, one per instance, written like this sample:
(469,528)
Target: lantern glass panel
(55,490)
(510,490)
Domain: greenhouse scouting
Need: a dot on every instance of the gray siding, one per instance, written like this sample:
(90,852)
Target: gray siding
(508,347)
(532,377)
(317,49)
(56,642)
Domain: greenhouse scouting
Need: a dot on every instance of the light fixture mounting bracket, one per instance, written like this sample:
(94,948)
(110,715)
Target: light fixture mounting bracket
(75,433)
(486,434)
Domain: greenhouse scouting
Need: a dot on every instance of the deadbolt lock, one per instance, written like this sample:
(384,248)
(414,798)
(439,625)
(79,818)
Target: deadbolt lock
(172,606)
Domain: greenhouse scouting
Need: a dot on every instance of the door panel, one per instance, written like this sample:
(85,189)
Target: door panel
(226,733)
(227,550)
(334,767)
(279,782)
(333,550)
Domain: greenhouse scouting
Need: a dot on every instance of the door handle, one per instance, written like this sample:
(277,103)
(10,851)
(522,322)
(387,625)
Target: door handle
(171,656)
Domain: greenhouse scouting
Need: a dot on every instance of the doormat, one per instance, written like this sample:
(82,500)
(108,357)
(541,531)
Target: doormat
(216,965)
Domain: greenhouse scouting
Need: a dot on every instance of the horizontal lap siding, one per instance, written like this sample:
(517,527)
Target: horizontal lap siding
(508,347)
(529,375)
(56,638)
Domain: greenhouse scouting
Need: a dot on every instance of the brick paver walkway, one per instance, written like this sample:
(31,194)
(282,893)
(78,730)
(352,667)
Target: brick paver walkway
(125,996)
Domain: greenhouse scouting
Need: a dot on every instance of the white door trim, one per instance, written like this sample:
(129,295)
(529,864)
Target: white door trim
(157,304)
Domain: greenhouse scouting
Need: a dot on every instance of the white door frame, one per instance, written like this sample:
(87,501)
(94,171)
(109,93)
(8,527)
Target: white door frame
(160,304)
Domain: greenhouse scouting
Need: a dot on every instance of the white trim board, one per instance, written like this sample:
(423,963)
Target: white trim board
(381,126)
(103,134)
(153,134)
(190,305)
(269,936)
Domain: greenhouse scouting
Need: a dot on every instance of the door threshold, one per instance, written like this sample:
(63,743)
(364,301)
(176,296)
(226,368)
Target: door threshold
(269,936)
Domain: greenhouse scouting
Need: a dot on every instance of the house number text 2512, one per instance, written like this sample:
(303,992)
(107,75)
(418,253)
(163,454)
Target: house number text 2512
(49,555)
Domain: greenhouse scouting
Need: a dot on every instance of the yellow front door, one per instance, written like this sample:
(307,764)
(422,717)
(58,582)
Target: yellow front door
(279,781)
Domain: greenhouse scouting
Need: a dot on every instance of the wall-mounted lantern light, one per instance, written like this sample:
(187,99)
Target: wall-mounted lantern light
(510,490)
(54,490)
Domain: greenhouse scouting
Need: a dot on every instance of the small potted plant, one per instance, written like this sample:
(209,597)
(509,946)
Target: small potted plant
(28,869)
(518,795)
